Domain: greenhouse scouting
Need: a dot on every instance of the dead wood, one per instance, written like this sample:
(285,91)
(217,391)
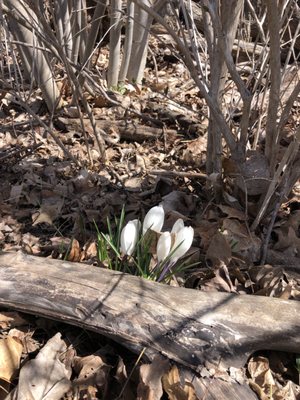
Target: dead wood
(188,326)
(182,174)
(127,130)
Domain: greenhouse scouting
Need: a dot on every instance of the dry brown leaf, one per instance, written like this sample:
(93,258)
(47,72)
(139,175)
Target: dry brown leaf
(233,212)
(101,101)
(290,391)
(290,79)
(121,373)
(263,383)
(294,220)
(49,211)
(269,280)
(150,386)
(31,244)
(230,167)
(219,250)
(59,243)
(71,112)
(254,177)
(121,376)
(25,336)
(140,163)
(258,390)
(90,251)
(261,374)
(180,202)
(235,227)
(288,241)
(15,193)
(231,200)
(195,153)
(92,371)
(81,181)
(11,319)
(221,282)
(45,377)
(10,355)
(75,251)
(176,391)
(134,183)
(242,242)
(206,230)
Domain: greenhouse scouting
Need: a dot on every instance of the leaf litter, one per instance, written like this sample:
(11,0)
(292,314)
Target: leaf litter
(49,207)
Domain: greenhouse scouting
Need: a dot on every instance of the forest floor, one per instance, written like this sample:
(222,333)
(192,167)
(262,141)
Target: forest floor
(155,153)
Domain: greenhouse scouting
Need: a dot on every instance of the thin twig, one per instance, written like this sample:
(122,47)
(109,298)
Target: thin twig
(191,175)
(286,160)
(271,224)
(131,372)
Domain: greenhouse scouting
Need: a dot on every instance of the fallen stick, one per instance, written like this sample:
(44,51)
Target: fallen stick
(127,131)
(185,325)
(180,174)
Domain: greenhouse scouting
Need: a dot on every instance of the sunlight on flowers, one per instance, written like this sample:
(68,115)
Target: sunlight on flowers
(154,219)
(129,236)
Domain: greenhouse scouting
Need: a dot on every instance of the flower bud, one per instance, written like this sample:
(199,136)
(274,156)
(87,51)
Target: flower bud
(154,219)
(163,246)
(129,236)
(178,225)
(183,241)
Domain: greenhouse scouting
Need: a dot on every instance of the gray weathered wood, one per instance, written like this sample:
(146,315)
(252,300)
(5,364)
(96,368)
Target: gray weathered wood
(186,325)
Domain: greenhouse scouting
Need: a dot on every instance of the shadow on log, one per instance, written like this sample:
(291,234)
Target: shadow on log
(185,325)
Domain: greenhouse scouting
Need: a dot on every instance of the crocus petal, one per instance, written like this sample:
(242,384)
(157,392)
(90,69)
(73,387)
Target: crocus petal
(129,236)
(178,225)
(163,246)
(154,219)
(183,241)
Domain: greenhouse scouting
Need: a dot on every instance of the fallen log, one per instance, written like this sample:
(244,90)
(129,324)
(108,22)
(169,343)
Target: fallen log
(126,130)
(185,325)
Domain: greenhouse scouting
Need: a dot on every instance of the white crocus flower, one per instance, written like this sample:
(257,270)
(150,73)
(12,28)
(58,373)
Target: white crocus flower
(178,225)
(183,241)
(154,219)
(129,236)
(163,246)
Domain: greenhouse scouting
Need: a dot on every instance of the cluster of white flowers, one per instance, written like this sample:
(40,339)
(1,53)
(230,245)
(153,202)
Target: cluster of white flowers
(154,220)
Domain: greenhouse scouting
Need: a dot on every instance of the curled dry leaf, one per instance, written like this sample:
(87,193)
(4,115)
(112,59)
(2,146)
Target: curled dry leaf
(219,250)
(221,281)
(150,386)
(128,388)
(180,202)
(15,193)
(11,319)
(242,241)
(49,211)
(288,241)
(176,390)
(25,337)
(206,230)
(10,356)
(253,176)
(233,212)
(45,377)
(270,281)
(92,371)
(264,384)
(75,251)
(90,250)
